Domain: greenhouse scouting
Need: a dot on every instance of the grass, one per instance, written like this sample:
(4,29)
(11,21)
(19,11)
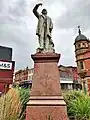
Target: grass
(10,106)
(78,105)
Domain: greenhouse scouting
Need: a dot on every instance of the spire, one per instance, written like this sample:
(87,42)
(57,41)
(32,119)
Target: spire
(79,31)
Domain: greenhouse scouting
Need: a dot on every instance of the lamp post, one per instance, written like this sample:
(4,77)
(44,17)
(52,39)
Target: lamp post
(82,75)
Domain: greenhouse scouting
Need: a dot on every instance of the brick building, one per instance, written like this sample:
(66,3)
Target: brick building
(68,76)
(82,52)
(24,77)
(21,75)
(30,73)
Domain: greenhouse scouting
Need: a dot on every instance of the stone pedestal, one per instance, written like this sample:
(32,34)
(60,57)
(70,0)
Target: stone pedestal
(46,101)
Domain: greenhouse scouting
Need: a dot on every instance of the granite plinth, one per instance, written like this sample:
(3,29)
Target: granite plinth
(46,101)
(46,78)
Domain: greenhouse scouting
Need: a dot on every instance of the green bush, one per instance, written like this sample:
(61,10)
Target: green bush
(24,98)
(78,105)
(72,95)
(80,108)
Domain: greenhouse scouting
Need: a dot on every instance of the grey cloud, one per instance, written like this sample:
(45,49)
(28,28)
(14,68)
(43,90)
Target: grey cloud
(17,30)
(76,14)
(64,40)
(14,31)
(19,8)
(22,44)
(13,11)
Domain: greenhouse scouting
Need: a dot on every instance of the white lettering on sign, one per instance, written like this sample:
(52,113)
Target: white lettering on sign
(5,65)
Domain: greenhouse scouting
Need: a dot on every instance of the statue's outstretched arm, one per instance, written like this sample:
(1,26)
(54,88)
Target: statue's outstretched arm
(35,10)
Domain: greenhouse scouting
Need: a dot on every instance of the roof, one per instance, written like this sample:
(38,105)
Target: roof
(80,36)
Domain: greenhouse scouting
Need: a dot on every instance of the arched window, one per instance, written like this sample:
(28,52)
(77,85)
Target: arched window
(81,65)
(84,45)
(79,45)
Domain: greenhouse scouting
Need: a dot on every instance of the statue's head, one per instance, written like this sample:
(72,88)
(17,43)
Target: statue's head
(44,12)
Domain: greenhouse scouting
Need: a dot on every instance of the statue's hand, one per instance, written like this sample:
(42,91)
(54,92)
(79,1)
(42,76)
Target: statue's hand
(40,4)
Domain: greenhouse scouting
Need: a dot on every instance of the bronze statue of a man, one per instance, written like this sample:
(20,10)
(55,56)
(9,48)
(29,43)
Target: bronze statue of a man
(44,29)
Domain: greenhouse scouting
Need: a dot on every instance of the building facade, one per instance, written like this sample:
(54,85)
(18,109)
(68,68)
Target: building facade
(22,75)
(6,68)
(82,52)
(68,76)
(30,73)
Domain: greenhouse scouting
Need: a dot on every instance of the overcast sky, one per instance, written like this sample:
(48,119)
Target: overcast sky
(18,27)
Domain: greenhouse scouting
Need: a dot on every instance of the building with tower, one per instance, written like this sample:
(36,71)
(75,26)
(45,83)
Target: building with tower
(82,53)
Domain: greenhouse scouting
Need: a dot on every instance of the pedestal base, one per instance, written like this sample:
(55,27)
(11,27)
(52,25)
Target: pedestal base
(46,108)
(46,101)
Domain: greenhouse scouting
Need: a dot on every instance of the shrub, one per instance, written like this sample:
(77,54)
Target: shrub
(24,98)
(78,105)
(72,95)
(10,107)
(80,108)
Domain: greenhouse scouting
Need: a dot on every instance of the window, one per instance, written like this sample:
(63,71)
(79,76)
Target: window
(78,45)
(81,65)
(83,45)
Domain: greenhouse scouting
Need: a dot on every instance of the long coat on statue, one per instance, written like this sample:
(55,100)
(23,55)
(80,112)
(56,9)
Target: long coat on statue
(40,26)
